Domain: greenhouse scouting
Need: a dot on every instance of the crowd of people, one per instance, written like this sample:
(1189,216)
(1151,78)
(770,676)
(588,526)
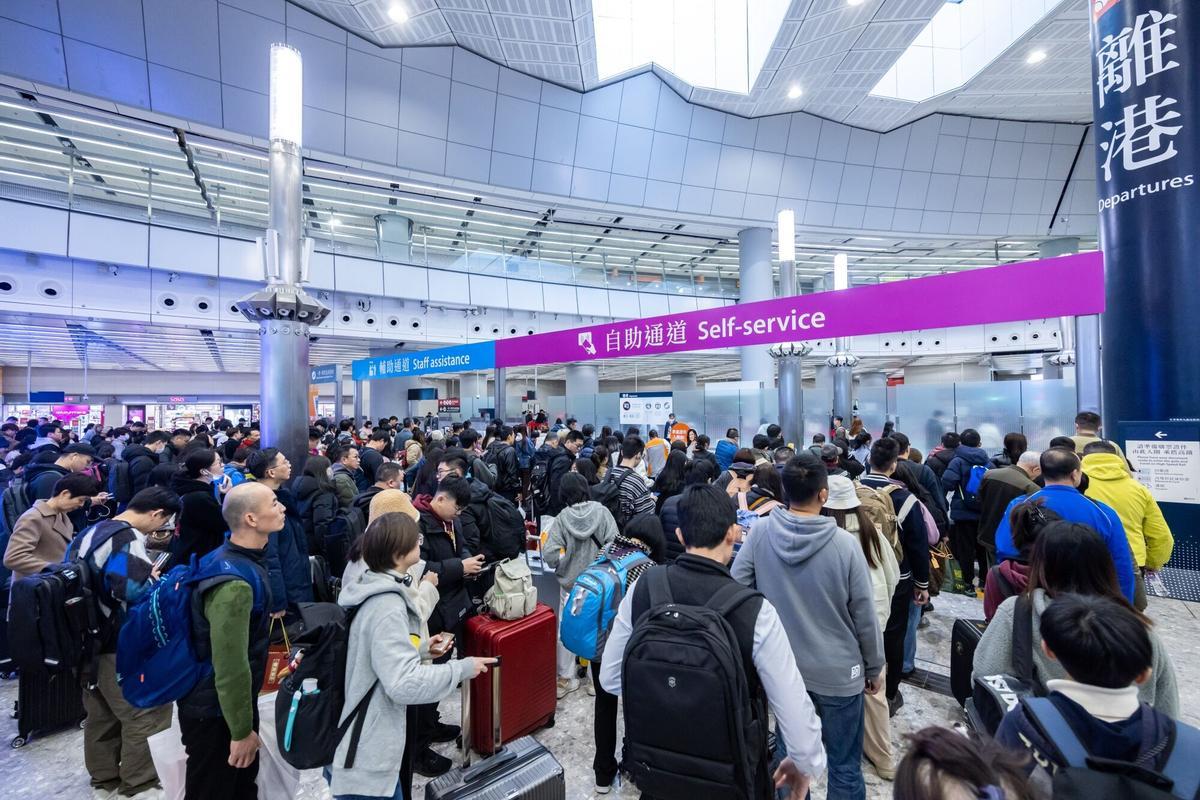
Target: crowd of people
(820,558)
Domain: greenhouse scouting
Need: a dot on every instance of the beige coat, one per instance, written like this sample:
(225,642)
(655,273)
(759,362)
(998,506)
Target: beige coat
(39,538)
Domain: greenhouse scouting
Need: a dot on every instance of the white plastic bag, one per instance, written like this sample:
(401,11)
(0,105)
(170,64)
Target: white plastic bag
(276,778)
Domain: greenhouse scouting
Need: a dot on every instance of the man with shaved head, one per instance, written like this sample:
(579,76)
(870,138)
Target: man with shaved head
(218,718)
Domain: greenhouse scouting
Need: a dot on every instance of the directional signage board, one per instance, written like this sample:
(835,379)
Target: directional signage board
(1165,456)
(323,373)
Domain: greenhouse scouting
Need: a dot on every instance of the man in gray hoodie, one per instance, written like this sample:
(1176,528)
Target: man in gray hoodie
(815,574)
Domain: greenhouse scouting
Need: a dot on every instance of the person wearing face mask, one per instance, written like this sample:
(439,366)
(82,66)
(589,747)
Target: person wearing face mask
(199,484)
(115,751)
(42,534)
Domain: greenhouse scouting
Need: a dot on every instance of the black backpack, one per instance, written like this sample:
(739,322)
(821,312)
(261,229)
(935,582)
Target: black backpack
(307,724)
(14,502)
(693,725)
(506,527)
(120,482)
(539,483)
(1086,777)
(608,494)
(348,524)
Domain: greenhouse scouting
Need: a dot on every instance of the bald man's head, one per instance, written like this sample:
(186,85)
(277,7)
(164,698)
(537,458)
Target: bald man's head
(251,510)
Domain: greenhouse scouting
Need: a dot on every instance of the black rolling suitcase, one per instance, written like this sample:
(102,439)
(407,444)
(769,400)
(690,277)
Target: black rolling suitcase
(963,640)
(523,769)
(46,702)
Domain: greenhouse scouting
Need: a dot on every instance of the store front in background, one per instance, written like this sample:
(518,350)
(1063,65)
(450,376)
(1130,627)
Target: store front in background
(75,415)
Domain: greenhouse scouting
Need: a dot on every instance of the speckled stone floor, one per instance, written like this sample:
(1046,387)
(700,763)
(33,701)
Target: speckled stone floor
(53,766)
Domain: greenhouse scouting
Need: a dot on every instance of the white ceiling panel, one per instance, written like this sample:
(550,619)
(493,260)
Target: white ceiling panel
(819,44)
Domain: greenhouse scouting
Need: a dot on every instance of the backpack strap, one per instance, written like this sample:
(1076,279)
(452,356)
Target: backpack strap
(908,506)
(1022,639)
(659,587)
(1050,721)
(729,597)
(1182,767)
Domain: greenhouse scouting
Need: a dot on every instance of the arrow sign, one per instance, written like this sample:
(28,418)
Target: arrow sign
(1160,435)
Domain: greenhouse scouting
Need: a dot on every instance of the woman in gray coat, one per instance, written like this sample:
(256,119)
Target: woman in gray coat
(385,657)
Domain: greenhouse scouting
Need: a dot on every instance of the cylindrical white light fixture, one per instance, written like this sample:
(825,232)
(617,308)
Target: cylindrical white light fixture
(287,94)
(841,271)
(786,228)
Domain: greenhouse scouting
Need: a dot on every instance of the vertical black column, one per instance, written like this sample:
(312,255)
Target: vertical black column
(1146,93)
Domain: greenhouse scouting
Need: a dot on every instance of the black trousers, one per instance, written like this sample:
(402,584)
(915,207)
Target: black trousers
(963,536)
(604,730)
(426,716)
(894,633)
(209,775)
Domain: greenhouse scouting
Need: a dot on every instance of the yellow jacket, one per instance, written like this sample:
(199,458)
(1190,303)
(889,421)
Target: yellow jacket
(1147,531)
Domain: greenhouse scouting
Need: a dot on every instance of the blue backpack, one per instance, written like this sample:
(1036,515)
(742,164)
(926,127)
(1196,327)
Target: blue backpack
(593,602)
(157,661)
(975,478)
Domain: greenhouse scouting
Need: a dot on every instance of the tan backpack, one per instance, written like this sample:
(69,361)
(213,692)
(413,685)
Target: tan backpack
(879,507)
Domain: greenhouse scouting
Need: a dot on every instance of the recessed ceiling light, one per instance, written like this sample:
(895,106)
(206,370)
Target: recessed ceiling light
(794,92)
(854,2)
(397,14)
(1036,57)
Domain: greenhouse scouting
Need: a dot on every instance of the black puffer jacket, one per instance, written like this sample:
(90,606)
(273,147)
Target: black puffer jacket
(443,554)
(503,457)
(317,507)
(141,461)
(201,527)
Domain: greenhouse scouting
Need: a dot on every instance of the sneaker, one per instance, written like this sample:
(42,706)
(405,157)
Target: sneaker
(591,689)
(146,794)
(99,793)
(566,686)
(927,608)
(430,764)
(895,704)
(885,771)
(445,733)
(602,789)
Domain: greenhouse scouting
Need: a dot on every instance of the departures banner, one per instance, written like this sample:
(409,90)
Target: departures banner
(1055,287)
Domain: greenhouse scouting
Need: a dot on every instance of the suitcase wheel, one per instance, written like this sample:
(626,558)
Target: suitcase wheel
(549,722)
(17,742)
(8,676)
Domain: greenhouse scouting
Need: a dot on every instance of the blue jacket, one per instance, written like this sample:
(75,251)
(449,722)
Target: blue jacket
(1068,503)
(287,557)
(956,476)
(724,453)
(525,452)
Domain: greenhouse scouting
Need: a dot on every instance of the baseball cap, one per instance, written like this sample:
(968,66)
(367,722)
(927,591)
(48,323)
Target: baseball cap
(79,448)
(830,452)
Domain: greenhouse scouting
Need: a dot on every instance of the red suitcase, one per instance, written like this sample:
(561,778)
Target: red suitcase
(527,646)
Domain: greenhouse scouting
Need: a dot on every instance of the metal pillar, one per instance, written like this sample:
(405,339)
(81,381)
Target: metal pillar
(358,401)
(757,283)
(1149,207)
(501,404)
(843,363)
(582,379)
(337,392)
(683,381)
(790,357)
(282,309)
(1079,337)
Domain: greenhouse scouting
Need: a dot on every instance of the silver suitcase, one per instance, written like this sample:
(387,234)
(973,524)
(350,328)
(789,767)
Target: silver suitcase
(523,769)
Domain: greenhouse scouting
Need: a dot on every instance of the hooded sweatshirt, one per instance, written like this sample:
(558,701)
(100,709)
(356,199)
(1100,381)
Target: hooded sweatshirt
(1015,573)
(1109,482)
(575,538)
(815,575)
(381,638)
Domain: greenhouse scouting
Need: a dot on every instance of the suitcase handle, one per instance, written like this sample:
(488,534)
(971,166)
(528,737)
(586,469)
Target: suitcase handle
(499,756)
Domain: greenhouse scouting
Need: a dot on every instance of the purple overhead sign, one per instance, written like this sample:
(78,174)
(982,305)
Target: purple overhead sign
(1053,287)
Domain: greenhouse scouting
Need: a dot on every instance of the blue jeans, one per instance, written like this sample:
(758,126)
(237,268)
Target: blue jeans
(910,638)
(397,795)
(842,735)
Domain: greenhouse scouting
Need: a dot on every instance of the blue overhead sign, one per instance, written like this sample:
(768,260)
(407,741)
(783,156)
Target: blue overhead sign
(464,358)
(323,373)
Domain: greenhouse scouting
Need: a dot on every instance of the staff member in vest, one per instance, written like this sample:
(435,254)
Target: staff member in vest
(219,718)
